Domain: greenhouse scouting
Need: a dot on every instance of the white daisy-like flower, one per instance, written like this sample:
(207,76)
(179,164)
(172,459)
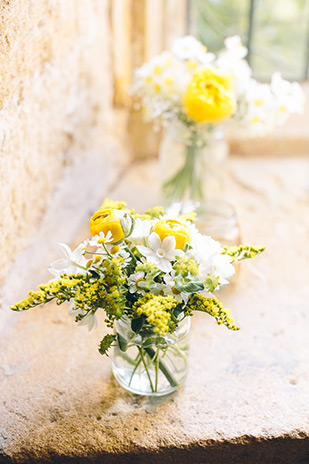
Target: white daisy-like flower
(170,289)
(189,48)
(133,281)
(100,238)
(71,263)
(160,252)
(117,250)
(90,320)
(235,46)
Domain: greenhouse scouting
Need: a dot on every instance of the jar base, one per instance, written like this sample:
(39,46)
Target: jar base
(138,391)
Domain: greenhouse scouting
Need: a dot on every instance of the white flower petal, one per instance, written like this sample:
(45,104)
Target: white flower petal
(154,241)
(60,263)
(169,243)
(90,320)
(164,265)
(144,250)
(65,249)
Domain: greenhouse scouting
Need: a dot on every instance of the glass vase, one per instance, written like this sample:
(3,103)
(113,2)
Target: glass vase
(150,364)
(192,165)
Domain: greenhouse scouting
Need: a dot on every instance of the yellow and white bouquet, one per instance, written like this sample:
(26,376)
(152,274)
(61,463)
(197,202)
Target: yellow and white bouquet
(190,92)
(197,88)
(145,275)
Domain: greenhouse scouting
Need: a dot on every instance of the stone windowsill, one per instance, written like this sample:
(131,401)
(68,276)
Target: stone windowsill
(246,396)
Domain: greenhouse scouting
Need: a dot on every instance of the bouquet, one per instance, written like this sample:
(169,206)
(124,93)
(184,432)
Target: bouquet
(147,274)
(191,91)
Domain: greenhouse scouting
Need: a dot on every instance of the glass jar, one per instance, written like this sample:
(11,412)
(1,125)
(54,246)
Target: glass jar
(192,165)
(150,364)
(219,220)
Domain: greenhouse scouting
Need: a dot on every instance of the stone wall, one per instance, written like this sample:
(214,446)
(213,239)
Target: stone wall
(56,100)
(64,70)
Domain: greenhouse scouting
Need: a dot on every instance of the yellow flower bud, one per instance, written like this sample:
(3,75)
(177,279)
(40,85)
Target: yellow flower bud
(173,228)
(208,97)
(107,220)
(114,249)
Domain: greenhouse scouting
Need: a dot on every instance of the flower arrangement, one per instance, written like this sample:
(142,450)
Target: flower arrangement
(147,273)
(190,91)
(189,85)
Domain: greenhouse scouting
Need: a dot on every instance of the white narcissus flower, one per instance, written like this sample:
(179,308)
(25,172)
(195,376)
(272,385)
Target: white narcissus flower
(72,262)
(160,252)
(90,320)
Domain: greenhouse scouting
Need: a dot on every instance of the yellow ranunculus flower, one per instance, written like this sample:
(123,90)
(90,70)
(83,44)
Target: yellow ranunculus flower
(107,220)
(173,227)
(208,97)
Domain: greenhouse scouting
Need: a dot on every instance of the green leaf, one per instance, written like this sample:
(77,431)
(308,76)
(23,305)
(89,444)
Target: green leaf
(94,273)
(160,341)
(137,324)
(106,343)
(177,312)
(122,342)
(211,282)
(149,341)
(192,286)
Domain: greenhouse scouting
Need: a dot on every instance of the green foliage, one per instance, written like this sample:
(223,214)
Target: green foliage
(211,282)
(122,342)
(106,343)
(188,286)
(137,324)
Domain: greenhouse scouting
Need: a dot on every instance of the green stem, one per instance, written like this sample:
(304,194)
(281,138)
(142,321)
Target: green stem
(132,255)
(146,368)
(94,253)
(157,368)
(108,253)
(78,265)
(163,367)
(188,178)
(134,370)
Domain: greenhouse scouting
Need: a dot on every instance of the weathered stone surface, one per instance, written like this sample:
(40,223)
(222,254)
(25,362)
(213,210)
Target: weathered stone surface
(246,399)
(56,100)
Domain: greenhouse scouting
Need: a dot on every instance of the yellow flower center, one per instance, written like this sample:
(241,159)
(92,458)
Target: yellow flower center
(256,120)
(169,81)
(138,281)
(259,102)
(158,70)
(114,249)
